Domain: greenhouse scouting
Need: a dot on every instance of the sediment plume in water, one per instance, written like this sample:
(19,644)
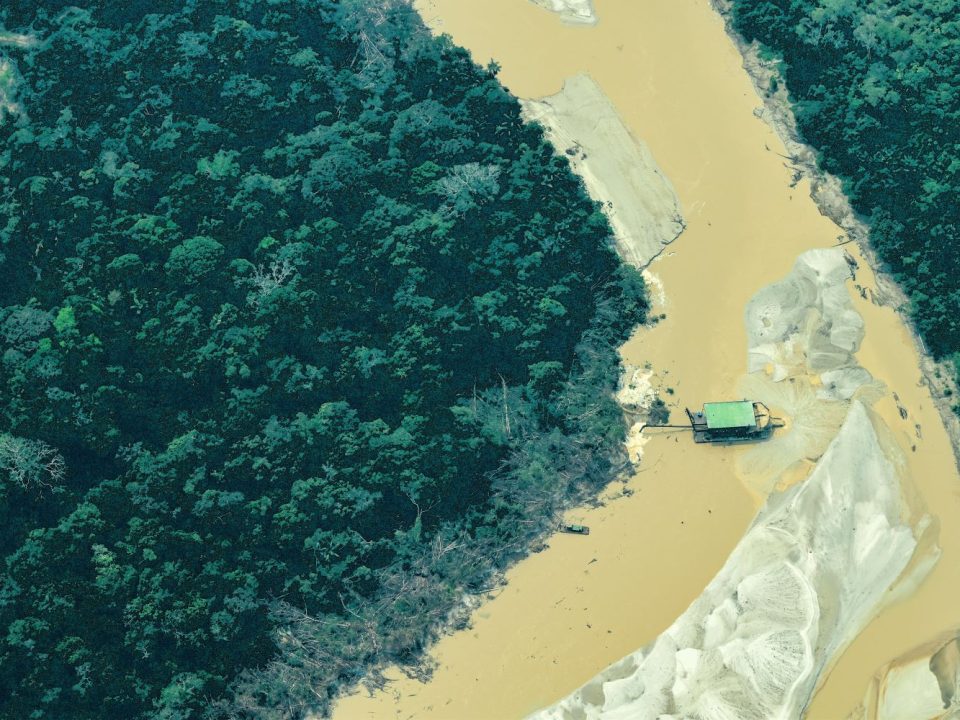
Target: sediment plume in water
(812,422)
(802,335)
(821,557)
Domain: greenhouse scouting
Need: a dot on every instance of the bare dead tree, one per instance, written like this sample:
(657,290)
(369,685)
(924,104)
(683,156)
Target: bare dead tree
(466,183)
(267,278)
(506,407)
(31,464)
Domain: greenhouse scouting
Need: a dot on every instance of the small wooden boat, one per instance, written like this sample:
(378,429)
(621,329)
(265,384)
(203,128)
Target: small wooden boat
(575,529)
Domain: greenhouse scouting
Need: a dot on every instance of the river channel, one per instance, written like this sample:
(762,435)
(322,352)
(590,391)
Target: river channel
(566,612)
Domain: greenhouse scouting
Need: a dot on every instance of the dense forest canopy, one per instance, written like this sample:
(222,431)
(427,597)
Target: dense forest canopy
(874,85)
(302,332)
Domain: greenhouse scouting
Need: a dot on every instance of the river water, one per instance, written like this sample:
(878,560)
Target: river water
(584,602)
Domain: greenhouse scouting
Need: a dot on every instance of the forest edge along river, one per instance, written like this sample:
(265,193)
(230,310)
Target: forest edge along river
(676,81)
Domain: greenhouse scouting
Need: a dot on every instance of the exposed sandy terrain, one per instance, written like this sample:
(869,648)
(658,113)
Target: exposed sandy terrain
(820,558)
(618,169)
(571,11)
(924,684)
(676,81)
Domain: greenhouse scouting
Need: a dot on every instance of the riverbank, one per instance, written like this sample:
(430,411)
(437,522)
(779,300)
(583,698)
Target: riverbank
(937,378)
(676,80)
(826,191)
(617,168)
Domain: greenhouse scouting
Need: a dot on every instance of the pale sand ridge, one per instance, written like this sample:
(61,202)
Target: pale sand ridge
(924,684)
(617,168)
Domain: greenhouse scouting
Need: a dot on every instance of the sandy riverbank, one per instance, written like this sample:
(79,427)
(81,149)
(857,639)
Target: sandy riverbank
(924,684)
(617,168)
(676,80)
(820,559)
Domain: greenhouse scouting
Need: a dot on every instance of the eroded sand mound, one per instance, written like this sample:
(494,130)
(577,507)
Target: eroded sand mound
(639,200)
(923,685)
(571,11)
(806,324)
(807,576)
(802,333)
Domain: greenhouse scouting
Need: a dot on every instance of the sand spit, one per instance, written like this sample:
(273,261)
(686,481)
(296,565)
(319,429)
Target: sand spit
(578,12)
(807,576)
(802,329)
(806,324)
(617,168)
(922,685)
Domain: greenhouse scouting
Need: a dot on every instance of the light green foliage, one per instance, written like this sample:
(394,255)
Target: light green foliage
(66,320)
(221,165)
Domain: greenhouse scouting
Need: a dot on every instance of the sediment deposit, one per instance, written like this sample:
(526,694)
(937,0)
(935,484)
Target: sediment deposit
(821,557)
(618,169)
(924,684)
(578,12)
(808,575)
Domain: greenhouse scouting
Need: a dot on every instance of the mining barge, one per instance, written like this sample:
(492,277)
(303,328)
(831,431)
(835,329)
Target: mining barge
(729,422)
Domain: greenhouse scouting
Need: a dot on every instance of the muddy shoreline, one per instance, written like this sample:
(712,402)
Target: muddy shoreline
(826,192)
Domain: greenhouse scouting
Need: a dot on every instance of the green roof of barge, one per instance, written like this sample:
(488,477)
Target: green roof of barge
(725,415)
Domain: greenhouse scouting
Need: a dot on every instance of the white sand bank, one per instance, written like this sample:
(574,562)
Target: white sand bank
(807,576)
(579,12)
(821,557)
(803,330)
(922,685)
(806,324)
(617,168)
(635,395)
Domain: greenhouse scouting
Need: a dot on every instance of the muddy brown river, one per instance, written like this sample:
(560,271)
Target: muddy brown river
(584,602)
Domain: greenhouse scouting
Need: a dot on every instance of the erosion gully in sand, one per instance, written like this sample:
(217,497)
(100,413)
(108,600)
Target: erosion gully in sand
(676,81)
